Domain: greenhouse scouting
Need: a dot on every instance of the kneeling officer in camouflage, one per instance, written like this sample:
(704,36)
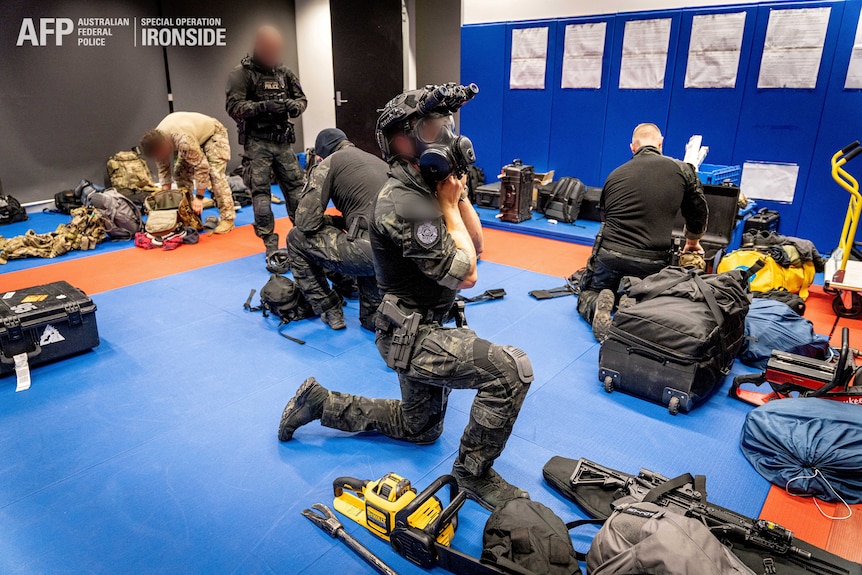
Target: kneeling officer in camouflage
(319,243)
(425,236)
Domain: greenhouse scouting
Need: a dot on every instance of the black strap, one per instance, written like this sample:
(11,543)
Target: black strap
(573,524)
(656,492)
(709,296)
(561,291)
(663,287)
(700,486)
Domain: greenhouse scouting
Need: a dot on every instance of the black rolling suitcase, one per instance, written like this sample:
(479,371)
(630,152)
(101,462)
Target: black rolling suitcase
(516,192)
(677,343)
(763,221)
(47,322)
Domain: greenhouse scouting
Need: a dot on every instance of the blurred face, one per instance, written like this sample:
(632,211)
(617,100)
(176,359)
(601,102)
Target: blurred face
(163,152)
(267,47)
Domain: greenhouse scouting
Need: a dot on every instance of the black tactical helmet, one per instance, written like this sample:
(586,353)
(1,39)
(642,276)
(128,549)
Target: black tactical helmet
(444,99)
(278,262)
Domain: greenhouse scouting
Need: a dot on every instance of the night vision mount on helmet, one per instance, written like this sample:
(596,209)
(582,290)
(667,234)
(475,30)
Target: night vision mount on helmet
(448,153)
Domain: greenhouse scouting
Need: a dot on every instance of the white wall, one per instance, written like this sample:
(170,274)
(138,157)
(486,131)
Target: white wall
(481,11)
(314,51)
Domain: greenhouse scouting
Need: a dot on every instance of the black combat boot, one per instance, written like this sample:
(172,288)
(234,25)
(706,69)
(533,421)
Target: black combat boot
(305,407)
(270,242)
(334,317)
(489,490)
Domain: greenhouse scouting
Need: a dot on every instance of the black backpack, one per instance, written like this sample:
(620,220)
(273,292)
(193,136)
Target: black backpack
(527,538)
(281,298)
(11,210)
(475,178)
(68,200)
(561,200)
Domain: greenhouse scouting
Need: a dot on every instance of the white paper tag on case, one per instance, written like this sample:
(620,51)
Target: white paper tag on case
(22,372)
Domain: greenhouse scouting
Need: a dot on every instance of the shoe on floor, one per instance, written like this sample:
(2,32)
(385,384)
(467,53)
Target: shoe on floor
(334,317)
(626,302)
(275,199)
(602,318)
(489,490)
(306,406)
(223,227)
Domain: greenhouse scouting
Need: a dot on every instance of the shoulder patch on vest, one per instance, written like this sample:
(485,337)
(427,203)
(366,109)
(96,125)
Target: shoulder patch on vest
(427,233)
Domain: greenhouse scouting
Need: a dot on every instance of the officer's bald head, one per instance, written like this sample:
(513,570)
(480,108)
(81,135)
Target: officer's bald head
(646,135)
(267,46)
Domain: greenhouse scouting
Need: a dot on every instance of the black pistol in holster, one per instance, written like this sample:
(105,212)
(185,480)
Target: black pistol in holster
(405,327)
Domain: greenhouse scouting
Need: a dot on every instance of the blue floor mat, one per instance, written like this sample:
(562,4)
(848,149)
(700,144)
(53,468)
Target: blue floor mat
(581,232)
(47,222)
(157,452)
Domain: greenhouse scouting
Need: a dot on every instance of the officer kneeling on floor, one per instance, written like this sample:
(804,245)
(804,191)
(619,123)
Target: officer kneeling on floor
(202,150)
(640,201)
(319,243)
(425,236)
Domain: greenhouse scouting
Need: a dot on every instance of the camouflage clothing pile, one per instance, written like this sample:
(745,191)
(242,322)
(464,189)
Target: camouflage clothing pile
(84,232)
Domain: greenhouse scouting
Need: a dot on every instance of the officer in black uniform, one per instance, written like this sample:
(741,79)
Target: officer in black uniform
(426,237)
(319,243)
(639,203)
(262,96)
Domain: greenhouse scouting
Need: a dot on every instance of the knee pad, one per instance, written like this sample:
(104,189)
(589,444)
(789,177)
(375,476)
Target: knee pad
(503,361)
(522,363)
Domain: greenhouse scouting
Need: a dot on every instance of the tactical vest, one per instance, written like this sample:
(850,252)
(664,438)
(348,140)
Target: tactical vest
(268,86)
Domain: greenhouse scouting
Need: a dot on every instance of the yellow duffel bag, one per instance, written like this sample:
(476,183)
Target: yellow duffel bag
(795,278)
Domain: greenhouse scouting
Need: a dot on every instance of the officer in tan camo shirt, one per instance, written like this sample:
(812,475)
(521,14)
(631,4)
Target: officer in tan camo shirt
(201,147)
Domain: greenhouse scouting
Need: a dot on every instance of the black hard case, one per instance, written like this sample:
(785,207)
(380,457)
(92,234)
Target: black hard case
(488,196)
(723,202)
(763,221)
(48,322)
(516,193)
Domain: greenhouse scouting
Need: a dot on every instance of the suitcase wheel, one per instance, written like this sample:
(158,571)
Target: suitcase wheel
(673,405)
(608,384)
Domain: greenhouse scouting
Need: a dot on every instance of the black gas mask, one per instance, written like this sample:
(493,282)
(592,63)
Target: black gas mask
(441,151)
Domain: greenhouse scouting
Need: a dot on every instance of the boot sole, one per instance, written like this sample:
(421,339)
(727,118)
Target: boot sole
(284,433)
(602,319)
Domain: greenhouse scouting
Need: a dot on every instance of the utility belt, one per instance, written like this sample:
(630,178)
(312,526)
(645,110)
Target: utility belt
(645,256)
(276,135)
(404,327)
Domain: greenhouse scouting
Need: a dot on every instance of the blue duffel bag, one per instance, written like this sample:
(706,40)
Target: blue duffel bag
(808,446)
(772,325)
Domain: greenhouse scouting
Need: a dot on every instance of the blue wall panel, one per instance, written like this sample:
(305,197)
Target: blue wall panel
(483,61)
(527,113)
(628,108)
(578,115)
(824,204)
(778,125)
(712,112)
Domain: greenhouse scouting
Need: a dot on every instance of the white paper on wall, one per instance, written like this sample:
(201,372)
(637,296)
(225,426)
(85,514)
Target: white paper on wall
(529,58)
(854,70)
(644,61)
(713,53)
(767,181)
(584,48)
(793,48)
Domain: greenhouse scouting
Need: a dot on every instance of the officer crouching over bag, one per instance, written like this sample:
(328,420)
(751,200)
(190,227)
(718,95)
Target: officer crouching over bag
(425,238)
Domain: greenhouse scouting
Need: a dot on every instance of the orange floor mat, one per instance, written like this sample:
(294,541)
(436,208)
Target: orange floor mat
(112,270)
(540,255)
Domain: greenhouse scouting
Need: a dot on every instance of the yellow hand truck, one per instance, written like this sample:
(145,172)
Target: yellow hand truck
(842,276)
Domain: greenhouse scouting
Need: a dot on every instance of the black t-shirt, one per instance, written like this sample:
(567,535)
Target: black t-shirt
(641,198)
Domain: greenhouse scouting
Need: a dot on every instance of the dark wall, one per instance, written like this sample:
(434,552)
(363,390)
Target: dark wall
(438,41)
(65,109)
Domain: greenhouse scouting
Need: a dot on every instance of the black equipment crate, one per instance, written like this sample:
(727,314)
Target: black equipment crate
(488,196)
(723,202)
(48,322)
(590,205)
(516,192)
(763,220)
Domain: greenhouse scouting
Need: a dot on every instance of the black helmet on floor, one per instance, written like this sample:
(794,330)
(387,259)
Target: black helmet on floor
(278,262)
(442,100)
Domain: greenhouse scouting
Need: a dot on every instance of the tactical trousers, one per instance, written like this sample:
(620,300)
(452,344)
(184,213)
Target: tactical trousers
(329,250)
(264,159)
(444,359)
(605,270)
(217,152)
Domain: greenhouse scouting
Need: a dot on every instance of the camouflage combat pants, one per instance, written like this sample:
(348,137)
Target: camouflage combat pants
(444,359)
(266,158)
(329,250)
(217,152)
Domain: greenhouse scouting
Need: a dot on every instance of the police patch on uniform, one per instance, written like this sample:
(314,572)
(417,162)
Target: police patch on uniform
(427,234)
(270,85)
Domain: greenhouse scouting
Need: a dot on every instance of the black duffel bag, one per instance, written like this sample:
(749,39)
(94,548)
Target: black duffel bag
(676,344)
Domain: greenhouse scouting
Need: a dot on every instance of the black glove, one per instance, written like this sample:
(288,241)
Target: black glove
(294,108)
(274,107)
